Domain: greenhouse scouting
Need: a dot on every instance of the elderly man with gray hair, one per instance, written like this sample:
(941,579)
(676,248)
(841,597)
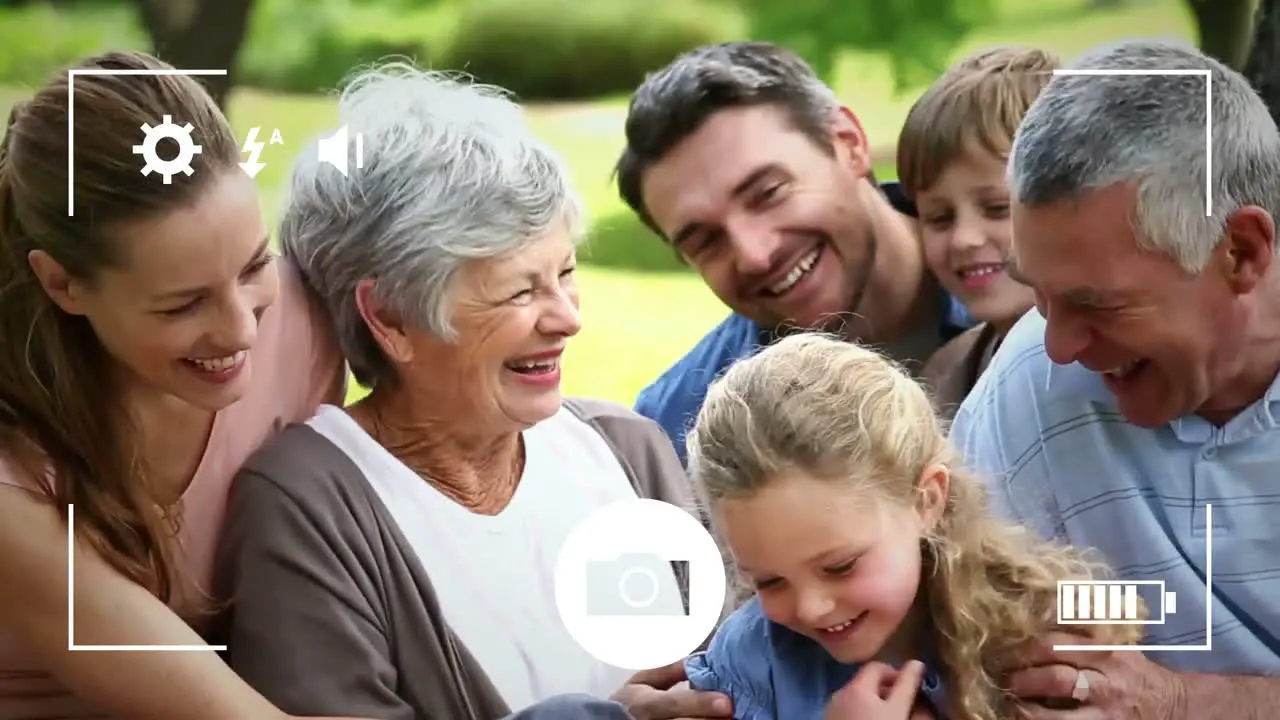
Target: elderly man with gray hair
(1147,386)
(395,558)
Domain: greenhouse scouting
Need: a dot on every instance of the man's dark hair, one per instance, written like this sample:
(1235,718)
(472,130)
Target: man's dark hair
(674,102)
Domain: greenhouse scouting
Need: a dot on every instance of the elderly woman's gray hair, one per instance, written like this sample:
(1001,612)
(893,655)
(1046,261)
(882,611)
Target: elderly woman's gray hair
(451,173)
(1136,111)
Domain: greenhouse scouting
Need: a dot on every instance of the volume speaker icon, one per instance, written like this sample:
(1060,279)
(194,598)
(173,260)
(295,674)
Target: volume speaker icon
(335,151)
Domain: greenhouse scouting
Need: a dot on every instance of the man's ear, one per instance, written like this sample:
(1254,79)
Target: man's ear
(851,144)
(385,326)
(1247,248)
(932,491)
(62,289)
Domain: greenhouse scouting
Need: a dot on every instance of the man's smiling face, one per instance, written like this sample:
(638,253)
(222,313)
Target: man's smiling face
(777,226)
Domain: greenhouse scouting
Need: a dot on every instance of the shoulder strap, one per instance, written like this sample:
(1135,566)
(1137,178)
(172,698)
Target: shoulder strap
(578,407)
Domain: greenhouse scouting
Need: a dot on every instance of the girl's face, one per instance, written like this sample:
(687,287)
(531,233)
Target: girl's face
(830,561)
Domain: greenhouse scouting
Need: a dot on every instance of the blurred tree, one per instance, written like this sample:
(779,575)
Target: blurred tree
(198,35)
(917,36)
(1262,67)
(1226,27)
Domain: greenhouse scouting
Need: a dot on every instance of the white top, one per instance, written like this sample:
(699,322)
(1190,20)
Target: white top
(495,575)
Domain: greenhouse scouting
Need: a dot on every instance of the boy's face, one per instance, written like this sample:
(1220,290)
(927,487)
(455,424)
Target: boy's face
(967,235)
(828,562)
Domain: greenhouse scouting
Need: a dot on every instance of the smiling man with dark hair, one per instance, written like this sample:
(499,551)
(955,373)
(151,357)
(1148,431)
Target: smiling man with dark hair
(743,160)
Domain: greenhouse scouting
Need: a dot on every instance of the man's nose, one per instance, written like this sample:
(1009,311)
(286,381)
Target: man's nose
(755,248)
(1065,336)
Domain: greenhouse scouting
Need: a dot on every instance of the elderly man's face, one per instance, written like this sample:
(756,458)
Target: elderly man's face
(779,229)
(1166,341)
(513,316)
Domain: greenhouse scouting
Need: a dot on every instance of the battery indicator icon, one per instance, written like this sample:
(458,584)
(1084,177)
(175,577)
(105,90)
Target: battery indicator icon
(1114,603)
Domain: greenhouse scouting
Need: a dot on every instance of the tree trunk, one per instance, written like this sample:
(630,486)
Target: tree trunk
(1225,28)
(1263,66)
(199,35)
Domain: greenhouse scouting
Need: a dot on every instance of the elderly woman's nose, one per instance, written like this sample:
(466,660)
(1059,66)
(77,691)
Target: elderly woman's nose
(561,316)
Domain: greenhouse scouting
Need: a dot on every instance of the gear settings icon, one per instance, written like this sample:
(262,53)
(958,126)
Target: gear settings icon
(180,134)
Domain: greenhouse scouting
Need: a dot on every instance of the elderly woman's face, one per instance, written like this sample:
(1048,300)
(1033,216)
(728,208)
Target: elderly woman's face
(513,316)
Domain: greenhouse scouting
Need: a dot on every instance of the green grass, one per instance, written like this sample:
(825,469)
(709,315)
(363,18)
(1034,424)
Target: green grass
(637,323)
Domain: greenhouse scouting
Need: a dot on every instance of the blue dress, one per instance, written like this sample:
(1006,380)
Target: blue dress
(772,673)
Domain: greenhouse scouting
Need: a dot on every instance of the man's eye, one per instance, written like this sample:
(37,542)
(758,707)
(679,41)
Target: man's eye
(181,310)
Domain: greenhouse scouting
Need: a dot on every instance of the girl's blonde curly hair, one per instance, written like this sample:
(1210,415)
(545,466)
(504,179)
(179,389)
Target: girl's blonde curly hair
(837,411)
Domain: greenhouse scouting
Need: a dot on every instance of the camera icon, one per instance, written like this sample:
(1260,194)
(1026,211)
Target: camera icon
(632,585)
(640,583)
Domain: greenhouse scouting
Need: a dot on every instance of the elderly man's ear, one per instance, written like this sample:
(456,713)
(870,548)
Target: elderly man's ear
(1247,249)
(383,324)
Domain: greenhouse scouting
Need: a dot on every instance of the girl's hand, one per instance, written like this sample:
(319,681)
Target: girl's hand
(878,692)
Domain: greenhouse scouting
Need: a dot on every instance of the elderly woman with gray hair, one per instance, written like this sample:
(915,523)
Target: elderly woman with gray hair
(395,559)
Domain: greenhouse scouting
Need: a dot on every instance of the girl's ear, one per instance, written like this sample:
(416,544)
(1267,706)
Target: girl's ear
(932,490)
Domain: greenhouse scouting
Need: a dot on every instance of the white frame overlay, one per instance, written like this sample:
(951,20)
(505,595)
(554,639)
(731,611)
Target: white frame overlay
(1207,645)
(71,608)
(72,646)
(1208,111)
(71,509)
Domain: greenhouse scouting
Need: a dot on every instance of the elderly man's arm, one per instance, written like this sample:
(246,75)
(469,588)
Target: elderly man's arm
(1222,696)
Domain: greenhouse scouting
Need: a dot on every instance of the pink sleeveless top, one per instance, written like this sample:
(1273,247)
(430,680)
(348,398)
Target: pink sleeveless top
(294,363)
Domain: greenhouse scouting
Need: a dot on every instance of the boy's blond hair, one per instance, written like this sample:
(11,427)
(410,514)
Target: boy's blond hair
(978,102)
(848,415)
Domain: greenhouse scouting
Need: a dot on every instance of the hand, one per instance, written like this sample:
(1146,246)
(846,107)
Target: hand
(1121,684)
(879,692)
(649,695)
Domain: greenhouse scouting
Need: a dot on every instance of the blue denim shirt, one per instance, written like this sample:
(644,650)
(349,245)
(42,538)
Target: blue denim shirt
(772,673)
(673,400)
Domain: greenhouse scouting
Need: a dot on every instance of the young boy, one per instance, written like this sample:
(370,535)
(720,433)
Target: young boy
(951,162)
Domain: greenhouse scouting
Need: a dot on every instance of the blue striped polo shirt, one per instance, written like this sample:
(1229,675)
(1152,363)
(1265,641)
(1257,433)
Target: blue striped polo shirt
(1063,460)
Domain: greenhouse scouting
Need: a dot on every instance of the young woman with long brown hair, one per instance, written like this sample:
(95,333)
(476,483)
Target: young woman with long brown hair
(149,342)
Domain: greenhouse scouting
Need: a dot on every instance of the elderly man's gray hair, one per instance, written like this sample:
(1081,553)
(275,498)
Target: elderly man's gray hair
(1087,132)
(452,173)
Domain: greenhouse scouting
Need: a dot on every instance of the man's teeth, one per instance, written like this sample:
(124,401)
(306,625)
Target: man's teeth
(800,270)
(837,628)
(217,364)
(535,366)
(1122,371)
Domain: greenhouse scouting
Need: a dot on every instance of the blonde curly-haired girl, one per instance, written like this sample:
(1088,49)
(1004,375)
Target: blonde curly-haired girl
(880,578)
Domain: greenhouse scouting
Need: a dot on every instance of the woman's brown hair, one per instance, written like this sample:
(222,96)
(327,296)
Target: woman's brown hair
(62,418)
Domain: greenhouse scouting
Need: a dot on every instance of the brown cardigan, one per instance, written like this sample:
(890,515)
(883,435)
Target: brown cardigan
(310,553)
(952,371)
